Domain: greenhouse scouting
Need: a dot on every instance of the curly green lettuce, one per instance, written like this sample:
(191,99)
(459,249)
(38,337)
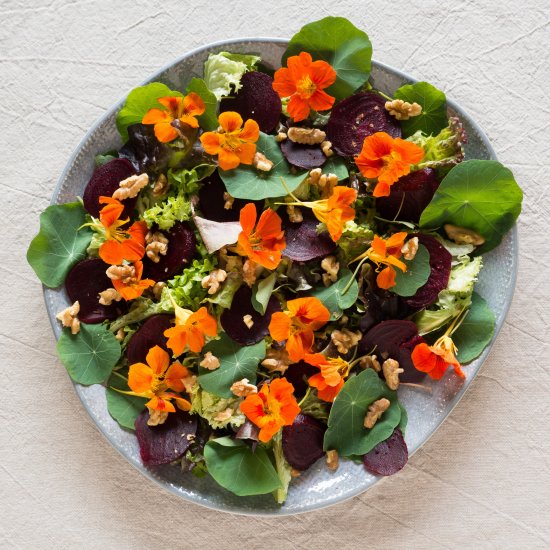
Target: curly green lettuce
(355,239)
(223,72)
(208,406)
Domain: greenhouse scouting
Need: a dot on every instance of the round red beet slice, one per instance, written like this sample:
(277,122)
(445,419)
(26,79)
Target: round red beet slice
(257,100)
(104,182)
(303,243)
(409,196)
(303,441)
(149,335)
(167,442)
(388,457)
(181,251)
(394,339)
(297,374)
(440,264)
(357,117)
(84,282)
(212,201)
(303,156)
(232,318)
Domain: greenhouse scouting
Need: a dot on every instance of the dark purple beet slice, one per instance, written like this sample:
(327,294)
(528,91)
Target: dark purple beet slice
(409,196)
(256,99)
(211,201)
(440,263)
(104,182)
(149,335)
(302,155)
(297,374)
(303,441)
(232,318)
(167,442)
(394,339)
(303,243)
(84,282)
(388,457)
(144,150)
(357,117)
(181,251)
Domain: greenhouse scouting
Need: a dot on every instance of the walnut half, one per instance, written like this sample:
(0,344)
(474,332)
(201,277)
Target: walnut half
(69,317)
(375,411)
(462,235)
(391,371)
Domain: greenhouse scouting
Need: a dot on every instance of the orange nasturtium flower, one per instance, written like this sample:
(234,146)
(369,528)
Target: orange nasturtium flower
(386,252)
(335,211)
(154,379)
(273,407)
(177,110)
(133,287)
(120,243)
(297,325)
(304,81)
(330,380)
(264,244)
(387,159)
(233,143)
(190,330)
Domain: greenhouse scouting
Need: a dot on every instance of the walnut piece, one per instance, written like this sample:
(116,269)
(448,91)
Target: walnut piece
(261,162)
(156,417)
(462,235)
(295,473)
(294,214)
(251,270)
(228,201)
(281,136)
(402,110)
(370,362)
(345,339)
(326,147)
(375,411)
(276,360)
(160,187)
(69,317)
(107,297)
(332,460)
(410,248)
(331,266)
(157,289)
(213,279)
(242,388)
(189,382)
(391,371)
(223,416)
(314,175)
(156,245)
(124,273)
(210,361)
(247,320)
(307,136)
(130,187)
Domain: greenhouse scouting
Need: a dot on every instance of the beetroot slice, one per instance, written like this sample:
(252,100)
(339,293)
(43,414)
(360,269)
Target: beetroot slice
(181,250)
(303,156)
(303,441)
(149,335)
(167,442)
(388,457)
(394,339)
(232,318)
(357,117)
(104,182)
(303,243)
(212,201)
(257,100)
(84,282)
(440,264)
(297,374)
(409,196)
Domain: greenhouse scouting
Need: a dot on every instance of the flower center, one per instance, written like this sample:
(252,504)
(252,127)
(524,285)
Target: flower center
(158,385)
(306,87)
(231,141)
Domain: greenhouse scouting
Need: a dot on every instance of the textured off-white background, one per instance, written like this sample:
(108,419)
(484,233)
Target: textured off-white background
(482,481)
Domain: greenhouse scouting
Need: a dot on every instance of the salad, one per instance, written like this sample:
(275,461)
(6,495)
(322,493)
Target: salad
(269,256)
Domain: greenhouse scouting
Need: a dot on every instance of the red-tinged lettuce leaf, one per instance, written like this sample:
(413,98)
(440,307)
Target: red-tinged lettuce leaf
(167,442)
(303,442)
(104,182)
(84,283)
(388,457)
(149,335)
(144,150)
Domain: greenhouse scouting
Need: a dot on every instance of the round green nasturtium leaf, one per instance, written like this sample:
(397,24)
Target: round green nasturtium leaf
(245,182)
(60,244)
(209,119)
(90,355)
(236,468)
(123,408)
(476,330)
(417,274)
(481,195)
(332,296)
(346,433)
(341,44)
(236,362)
